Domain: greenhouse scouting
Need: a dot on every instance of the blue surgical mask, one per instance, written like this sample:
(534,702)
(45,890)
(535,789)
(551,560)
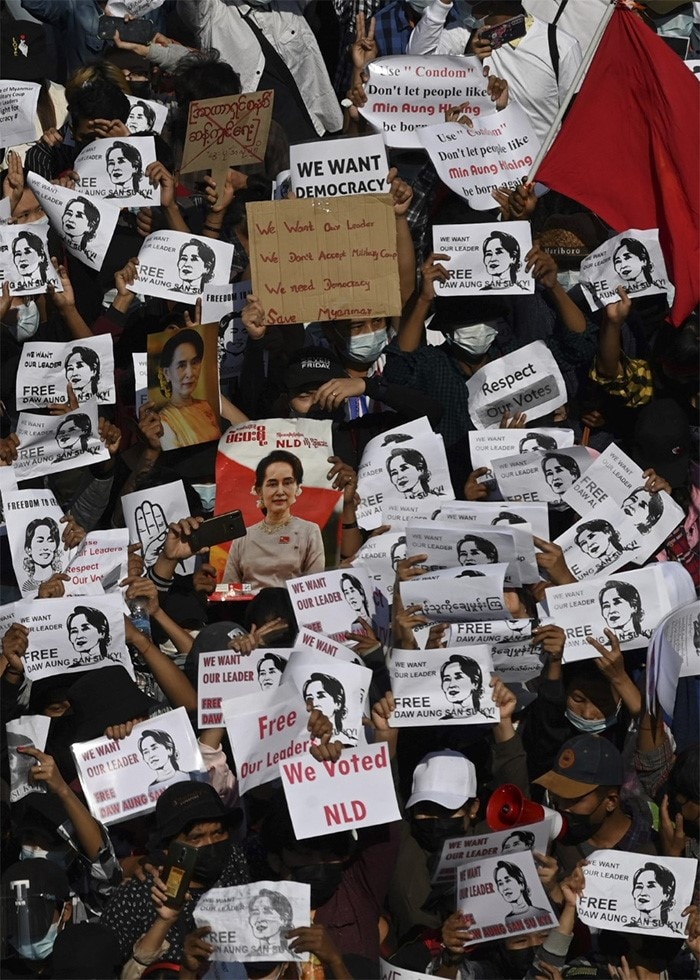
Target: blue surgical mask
(591,726)
(40,949)
(366,347)
(207,494)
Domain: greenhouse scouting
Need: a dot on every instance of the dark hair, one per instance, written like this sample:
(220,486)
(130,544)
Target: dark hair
(513,871)
(279,902)
(200,75)
(28,562)
(684,778)
(400,543)
(148,111)
(639,249)
(279,663)
(666,879)
(473,672)
(509,518)
(98,620)
(91,213)
(487,547)
(91,359)
(37,245)
(206,254)
(336,690)
(567,462)
(83,422)
(272,602)
(413,458)
(167,355)
(162,738)
(599,525)
(355,582)
(279,456)
(512,247)
(630,595)
(543,441)
(133,156)
(656,509)
(525,837)
(98,99)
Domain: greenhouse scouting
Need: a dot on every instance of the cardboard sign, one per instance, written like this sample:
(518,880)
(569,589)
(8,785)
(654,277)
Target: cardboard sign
(458,595)
(115,169)
(513,515)
(541,476)
(34,533)
(46,369)
(503,897)
(333,602)
(529,380)
(175,265)
(102,562)
(229,674)
(337,689)
(348,166)
(326,797)
(27,732)
(223,305)
(84,224)
(406,465)
(25,262)
(484,258)
(148,513)
(18,119)
(634,260)
(631,604)
(51,443)
(227,132)
(68,635)
(325,259)
(486,445)
(406,92)
(265,729)
(183,384)
(497,151)
(458,850)
(447,686)
(639,893)
(249,922)
(146,117)
(123,778)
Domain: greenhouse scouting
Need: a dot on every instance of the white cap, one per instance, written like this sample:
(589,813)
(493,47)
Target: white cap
(447,778)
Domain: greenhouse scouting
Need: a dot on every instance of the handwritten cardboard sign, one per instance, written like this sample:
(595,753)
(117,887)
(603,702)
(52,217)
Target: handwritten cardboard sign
(349,166)
(326,797)
(325,259)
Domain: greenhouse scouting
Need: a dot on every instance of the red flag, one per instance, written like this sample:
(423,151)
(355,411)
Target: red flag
(628,149)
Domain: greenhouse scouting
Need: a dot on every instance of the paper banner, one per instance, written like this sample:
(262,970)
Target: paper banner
(101,563)
(25,262)
(222,305)
(147,514)
(541,476)
(459,595)
(447,686)
(486,445)
(30,732)
(228,674)
(140,362)
(46,369)
(674,652)
(310,642)
(333,602)
(634,260)
(18,119)
(325,259)
(51,443)
(175,265)
(485,259)
(458,850)
(146,117)
(450,545)
(115,169)
(511,515)
(357,165)
(34,533)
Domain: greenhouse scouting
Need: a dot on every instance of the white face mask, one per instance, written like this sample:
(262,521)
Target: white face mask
(476,338)
(366,347)
(27,320)
(568,278)
(207,494)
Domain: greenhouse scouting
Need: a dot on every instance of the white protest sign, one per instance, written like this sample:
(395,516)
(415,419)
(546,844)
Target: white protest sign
(45,370)
(407,92)
(265,729)
(136,8)
(140,362)
(67,635)
(458,595)
(497,151)
(502,897)
(228,674)
(123,778)
(223,305)
(493,632)
(325,797)
(447,686)
(637,893)
(85,225)
(357,165)
(388,971)
(25,262)
(407,465)
(633,259)
(146,117)
(631,604)
(51,443)
(147,514)
(5,210)
(541,476)
(333,602)
(115,169)
(681,630)
(102,562)
(517,662)
(27,732)
(511,515)
(8,483)
(674,652)
(175,265)
(34,533)
(486,445)
(529,380)
(18,119)
(380,555)
(336,688)
(449,545)
(484,258)
(249,922)
(310,642)
(458,850)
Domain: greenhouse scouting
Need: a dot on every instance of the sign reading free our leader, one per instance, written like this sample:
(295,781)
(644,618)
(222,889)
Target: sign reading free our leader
(528,380)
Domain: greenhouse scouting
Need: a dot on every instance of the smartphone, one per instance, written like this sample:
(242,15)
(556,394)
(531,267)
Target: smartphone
(500,34)
(177,872)
(217,530)
(139,31)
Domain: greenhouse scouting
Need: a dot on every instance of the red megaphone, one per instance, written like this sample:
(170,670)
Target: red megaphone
(509,808)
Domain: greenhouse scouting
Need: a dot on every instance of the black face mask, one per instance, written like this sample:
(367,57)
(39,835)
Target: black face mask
(431,834)
(323,878)
(141,90)
(579,828)
(211,861)
(519,961)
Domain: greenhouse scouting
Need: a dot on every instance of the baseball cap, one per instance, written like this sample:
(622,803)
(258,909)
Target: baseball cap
(447,778)
(186,803)
(310,368)
(662,440)
(583,763)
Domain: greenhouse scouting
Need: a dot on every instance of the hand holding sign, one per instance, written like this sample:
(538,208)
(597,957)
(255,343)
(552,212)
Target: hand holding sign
(45,770)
